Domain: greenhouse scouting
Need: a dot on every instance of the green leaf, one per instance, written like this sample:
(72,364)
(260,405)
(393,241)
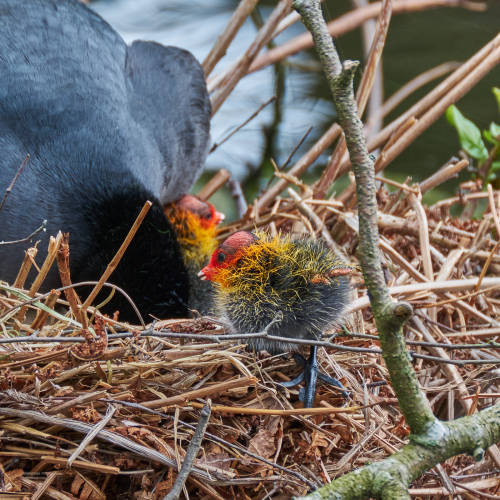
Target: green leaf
(496,93)
(468,134)
(487,135)
(495,166)
(495,131)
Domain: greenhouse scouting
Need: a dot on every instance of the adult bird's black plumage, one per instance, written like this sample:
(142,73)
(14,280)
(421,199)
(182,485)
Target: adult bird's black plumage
(107,127)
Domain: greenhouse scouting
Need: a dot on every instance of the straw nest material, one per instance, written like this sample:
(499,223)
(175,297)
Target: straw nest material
(108,410)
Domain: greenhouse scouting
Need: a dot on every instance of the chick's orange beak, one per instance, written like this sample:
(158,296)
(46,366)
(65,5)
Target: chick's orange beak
(219,217)
(205,273)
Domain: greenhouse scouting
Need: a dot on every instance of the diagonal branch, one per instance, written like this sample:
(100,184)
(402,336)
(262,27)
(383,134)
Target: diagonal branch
(431,441)
(389,316)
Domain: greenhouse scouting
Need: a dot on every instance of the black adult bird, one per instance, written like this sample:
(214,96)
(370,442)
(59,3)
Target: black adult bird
(107,127)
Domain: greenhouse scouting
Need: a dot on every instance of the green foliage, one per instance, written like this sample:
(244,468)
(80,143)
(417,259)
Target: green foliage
(471,141)
(496,93)
(468,134)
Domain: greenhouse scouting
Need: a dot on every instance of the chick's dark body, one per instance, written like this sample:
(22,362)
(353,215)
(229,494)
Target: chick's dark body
(306,308)
(107,127)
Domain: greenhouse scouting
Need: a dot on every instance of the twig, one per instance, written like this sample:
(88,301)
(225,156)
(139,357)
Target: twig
(214,184)
(236,72)
(192,451)
(92,434)
(242,337)
(239,127)
(116,258)
(245,7)
(296,147)
(27,238)
(450,347)
(219,440)
(11,185)
(239,196)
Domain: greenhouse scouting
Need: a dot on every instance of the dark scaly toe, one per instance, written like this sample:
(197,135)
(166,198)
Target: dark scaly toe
(336,383)
(310,375)
(296,381)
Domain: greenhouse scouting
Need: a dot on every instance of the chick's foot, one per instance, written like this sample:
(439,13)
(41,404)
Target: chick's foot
(310,375)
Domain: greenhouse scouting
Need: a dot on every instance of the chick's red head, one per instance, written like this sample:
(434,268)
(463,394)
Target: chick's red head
(195,224)
(227,254)
(206,212)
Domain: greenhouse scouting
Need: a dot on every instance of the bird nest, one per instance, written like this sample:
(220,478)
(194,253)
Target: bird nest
(107,410)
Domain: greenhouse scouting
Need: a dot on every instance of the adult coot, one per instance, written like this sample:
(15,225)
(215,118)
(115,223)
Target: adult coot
(107,127)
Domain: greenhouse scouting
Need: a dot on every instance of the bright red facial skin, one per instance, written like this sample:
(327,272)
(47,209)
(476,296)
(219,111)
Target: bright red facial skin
(206,212)
(227,253)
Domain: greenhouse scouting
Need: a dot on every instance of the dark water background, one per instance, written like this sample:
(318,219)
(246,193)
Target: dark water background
(416,42)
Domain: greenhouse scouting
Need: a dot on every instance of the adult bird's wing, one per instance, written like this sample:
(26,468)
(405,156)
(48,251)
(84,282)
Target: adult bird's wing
(168,97)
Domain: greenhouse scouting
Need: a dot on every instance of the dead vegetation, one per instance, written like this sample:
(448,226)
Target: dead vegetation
(132,395)
(143,388)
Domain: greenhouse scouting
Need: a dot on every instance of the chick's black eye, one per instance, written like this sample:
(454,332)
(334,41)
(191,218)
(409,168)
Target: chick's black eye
(207,216)
(221,257)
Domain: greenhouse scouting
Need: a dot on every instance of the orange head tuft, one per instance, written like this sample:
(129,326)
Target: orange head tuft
(195,224)
(205,211)
(227,253)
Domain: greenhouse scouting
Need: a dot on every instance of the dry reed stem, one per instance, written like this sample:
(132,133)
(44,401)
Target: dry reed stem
(116,259)
(442,175)
(284,413)
(431,286)
(434,104)
(80,464)
(200,393)
(346,23)
(214,184)
(64,274)
(245,7)
(363,93)
(53,248)
(403,123)
(258,435)
(42,316)
(475,486)
(22,275)
(412,86)
(494,209)
(230,78)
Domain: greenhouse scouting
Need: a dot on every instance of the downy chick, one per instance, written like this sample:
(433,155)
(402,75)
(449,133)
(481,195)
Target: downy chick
(300,285)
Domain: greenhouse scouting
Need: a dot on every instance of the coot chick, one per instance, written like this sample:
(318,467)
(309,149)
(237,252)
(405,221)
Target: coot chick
(299,287)
(195,224)
(107,127)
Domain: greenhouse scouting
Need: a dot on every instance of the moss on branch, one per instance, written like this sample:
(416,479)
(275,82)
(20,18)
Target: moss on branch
(431,441)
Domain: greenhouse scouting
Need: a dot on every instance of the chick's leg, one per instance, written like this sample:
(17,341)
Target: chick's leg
(310,375)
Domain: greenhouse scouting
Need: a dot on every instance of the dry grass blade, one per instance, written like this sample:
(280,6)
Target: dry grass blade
(259,442)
